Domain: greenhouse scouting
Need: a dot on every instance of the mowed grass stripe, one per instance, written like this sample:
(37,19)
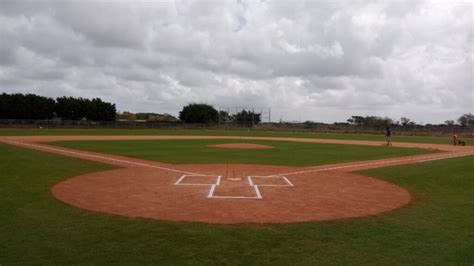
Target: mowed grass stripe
(37,229)
(200,132)
(283,153)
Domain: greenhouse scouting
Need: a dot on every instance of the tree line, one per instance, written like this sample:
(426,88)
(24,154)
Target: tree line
(31,106)
(205,113)
(465,120)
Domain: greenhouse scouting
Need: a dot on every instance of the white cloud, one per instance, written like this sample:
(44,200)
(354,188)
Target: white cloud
(308,60)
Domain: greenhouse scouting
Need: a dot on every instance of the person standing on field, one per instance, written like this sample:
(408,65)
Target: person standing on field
(388,136)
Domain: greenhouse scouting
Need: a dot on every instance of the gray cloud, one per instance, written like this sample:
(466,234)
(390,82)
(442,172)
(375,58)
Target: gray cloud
(308,60)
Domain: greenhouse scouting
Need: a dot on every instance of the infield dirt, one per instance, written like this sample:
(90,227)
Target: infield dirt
(201,192)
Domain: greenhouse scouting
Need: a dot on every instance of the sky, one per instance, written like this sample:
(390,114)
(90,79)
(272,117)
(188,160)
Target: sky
(322,61)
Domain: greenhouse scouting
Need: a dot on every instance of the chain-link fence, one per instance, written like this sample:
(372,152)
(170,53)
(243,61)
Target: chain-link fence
(246,123)
(243,116)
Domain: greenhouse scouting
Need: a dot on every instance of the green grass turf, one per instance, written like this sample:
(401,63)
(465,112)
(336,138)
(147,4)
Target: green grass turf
(283,153)
(436,229)
(380,137)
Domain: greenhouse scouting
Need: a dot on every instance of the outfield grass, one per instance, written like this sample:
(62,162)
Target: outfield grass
(436,229)
(201,132)
(283,153)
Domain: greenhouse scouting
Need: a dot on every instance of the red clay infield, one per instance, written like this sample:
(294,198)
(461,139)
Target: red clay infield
(264,193)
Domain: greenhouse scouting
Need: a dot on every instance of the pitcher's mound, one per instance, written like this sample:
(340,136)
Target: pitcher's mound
(241,146)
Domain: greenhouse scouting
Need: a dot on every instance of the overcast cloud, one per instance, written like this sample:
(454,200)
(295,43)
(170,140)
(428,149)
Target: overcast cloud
(307,60)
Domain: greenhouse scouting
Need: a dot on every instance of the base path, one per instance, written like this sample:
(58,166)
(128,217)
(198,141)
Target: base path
(256,194)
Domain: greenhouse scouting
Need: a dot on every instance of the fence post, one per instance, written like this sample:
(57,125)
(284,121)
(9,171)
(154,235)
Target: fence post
(253,112)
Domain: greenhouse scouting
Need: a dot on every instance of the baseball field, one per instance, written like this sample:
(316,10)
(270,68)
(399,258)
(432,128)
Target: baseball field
(233,197)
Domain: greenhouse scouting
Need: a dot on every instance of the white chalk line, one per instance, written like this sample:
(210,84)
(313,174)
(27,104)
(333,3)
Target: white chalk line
(212,196)
(257,190)
(211,191)
(236,197)
(250,180)
(179,182)
(400,160)
(44,147)
(251,183)
(447,157)
(288,183)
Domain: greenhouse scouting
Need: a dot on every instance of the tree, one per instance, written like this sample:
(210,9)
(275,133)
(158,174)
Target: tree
(378,122)
(371,121)
(466,120)
(224,117)
(102,111)
(357,120)
(78,108)
(247,117)
(29,106)
(449,123)
(405,121)
(199,113)
(70,108)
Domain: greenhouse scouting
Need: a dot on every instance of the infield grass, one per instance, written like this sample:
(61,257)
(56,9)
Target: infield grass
(283,153)
(35,228)
(208,132)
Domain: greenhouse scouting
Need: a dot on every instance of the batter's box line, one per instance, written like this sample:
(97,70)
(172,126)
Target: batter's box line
(218,181)
(288,183)
(258,195)
(251,183)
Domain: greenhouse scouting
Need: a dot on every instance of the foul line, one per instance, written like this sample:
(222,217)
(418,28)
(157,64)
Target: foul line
(45,147)
(416,160)
(457,155)
(399,160)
